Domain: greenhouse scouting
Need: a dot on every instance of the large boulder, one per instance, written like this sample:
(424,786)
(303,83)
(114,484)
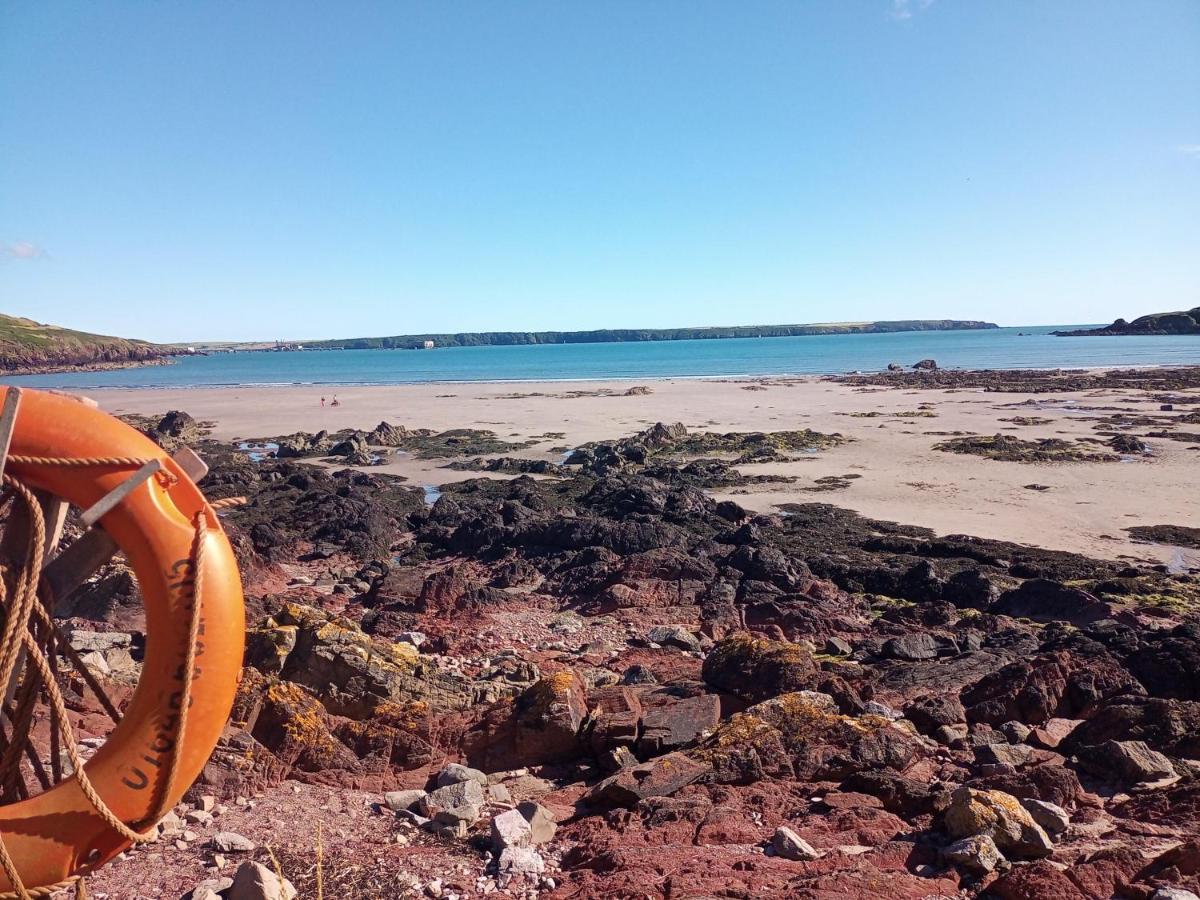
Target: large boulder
(671,721)
(1043,600)
(1061,684)
(933,711)
(905,797)
(802,735)
(461,802)
(386,435)
(301,444)
(353,674)
(912,647)
(1169,665)
(541,726)
(758,669)
(293,725)
(1128,762)
(1001,817)
(176,429)
(1168,726)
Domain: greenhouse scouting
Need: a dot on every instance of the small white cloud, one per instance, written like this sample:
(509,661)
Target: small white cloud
(1192,150)
(906,9)
(21,250)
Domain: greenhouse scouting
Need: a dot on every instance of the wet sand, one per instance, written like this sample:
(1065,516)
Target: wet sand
(902,478)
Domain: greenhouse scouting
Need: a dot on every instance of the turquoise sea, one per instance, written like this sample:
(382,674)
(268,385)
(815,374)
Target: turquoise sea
(1002,348)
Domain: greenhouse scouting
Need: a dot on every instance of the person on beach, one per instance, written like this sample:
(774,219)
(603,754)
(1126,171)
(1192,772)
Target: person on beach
(322,402)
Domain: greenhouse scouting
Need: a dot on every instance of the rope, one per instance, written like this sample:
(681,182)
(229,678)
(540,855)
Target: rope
(48,890)
(26,609)
(122,462)
(229,502)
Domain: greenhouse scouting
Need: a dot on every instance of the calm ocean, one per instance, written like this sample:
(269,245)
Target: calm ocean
(1003,348)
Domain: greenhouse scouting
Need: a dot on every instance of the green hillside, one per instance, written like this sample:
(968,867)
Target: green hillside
(28,347)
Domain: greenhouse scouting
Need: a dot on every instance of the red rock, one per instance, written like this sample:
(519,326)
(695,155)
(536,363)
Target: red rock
(616,712)
(1052,783)
(1036,881)
(538,728)
(1183,860)
(669,723)
(660,777)
(1049,685)
(1052,732)
(1105,872)
(851,800)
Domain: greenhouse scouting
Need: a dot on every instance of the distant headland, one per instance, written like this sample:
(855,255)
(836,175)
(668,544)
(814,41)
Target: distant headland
(1187,322)
(623,335)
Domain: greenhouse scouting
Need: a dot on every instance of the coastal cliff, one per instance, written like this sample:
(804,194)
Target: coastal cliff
(1156,323)
(622,335)
(28,347)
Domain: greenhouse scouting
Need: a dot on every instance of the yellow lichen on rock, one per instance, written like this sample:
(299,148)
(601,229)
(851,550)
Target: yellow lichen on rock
(1000,816)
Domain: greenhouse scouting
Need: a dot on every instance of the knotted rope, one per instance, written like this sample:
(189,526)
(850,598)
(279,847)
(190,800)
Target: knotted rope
(26,616)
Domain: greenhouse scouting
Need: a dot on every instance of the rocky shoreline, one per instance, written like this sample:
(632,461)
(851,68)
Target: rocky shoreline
(609,684)
(25,367)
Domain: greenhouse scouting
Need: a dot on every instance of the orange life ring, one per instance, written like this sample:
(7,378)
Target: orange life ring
(58,834)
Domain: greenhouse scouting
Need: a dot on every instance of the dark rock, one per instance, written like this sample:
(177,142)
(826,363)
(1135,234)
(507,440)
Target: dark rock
(638,675)
(1047,601)
(1051,783)
(971,589)
(905,797)
(912,647)
(1127,762)
(673,636)
(1128,444)
(1171,727)
(1015,755)
(933,711)
(1169,665)
(835,646)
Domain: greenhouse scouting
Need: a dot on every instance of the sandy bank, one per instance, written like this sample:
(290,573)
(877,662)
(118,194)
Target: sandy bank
(902,478)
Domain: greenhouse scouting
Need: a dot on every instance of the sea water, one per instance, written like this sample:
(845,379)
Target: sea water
(999,348)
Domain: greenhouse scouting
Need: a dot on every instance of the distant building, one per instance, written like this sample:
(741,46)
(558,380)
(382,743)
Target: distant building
(428,345)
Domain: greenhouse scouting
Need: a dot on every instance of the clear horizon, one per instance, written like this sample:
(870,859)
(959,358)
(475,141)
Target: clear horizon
(280,171)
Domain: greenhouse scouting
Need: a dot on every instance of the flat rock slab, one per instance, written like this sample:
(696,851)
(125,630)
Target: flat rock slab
(660,777)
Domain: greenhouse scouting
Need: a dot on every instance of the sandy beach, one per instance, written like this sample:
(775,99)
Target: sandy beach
(902,478)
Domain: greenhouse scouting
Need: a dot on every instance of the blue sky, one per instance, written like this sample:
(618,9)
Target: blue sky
(257,170)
